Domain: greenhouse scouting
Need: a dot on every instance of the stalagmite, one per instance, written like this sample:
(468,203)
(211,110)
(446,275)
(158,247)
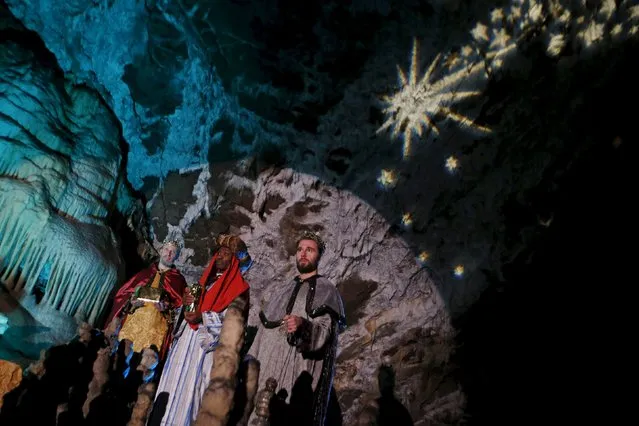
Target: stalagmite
(146,391)
(37,368)
(217,401)
(61,410)
(100,377)
(251,379)
(142,406)
(10,377)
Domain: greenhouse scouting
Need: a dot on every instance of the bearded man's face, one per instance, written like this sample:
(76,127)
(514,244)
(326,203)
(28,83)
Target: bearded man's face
(307,256)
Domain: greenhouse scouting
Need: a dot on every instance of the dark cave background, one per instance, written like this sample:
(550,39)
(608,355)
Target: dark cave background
(550,344)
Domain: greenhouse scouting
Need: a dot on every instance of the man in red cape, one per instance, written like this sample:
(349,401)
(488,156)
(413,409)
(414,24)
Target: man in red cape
(143,307)
(188,365)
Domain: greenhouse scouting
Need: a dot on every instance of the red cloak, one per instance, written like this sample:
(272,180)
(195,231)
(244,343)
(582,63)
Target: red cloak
(228,286)
(173,283)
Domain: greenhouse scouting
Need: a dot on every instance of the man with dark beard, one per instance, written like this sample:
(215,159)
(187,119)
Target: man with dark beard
(296,341)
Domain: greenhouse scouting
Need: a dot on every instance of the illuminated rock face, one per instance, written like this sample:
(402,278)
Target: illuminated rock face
(413,239)
(61,183)
(393,305)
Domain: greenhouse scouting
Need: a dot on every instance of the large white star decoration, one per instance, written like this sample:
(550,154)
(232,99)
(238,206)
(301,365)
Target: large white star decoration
(414,107)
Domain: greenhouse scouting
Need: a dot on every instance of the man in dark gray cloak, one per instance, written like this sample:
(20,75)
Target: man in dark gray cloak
(296,341)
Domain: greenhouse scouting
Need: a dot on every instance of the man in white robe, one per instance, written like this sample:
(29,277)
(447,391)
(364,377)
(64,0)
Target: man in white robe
(187,370)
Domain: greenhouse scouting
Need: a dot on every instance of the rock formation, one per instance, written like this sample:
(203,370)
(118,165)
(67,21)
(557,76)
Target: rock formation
(62,187)
(426,141)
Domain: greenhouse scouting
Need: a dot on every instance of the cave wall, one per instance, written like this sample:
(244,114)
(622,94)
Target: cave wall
(62,183)
(265,118)
(457,137)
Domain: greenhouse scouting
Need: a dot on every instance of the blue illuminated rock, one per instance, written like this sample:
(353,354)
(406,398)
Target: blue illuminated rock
(61,184)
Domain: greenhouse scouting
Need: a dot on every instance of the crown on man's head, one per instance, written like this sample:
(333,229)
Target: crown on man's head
(314,236)
(177,243)
(237,247)
(233,242)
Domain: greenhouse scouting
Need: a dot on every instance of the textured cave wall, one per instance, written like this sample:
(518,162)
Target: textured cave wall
(302,84)
(264,117)
(156,63)
(393,305)
(62,186)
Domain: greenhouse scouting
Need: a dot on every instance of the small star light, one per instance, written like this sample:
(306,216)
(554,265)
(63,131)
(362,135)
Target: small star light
(423,257)
(413,108)
(452,164)
(387,179)
(459,271)
(407,220)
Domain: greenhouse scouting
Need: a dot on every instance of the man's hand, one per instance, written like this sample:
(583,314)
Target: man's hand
(292,323)
(187,297)
(193,317)
(160,306)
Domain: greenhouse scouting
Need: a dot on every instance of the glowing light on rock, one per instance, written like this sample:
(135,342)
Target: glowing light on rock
(452,164)
(423,257)
(459,271)
(584,24)
(387,179)
(414,107)
(407,220)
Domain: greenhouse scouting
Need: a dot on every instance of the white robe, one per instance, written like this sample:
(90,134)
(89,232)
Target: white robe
(187,371)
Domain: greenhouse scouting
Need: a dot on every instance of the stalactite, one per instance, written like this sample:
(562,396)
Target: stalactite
(51,295)
(86,301)
(61,165)
(8,259)
(19,254)
(31,264)
(60,282)
(39,260)
(8,242)
(70,280)
(81,279)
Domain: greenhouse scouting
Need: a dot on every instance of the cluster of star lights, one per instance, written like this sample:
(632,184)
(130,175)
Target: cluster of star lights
(412,111)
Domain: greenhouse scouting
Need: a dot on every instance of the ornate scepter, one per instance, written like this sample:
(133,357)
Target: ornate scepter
(196,292)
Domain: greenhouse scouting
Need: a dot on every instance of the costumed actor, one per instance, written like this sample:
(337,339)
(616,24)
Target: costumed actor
(187,370)
(144,307)
(296,341)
